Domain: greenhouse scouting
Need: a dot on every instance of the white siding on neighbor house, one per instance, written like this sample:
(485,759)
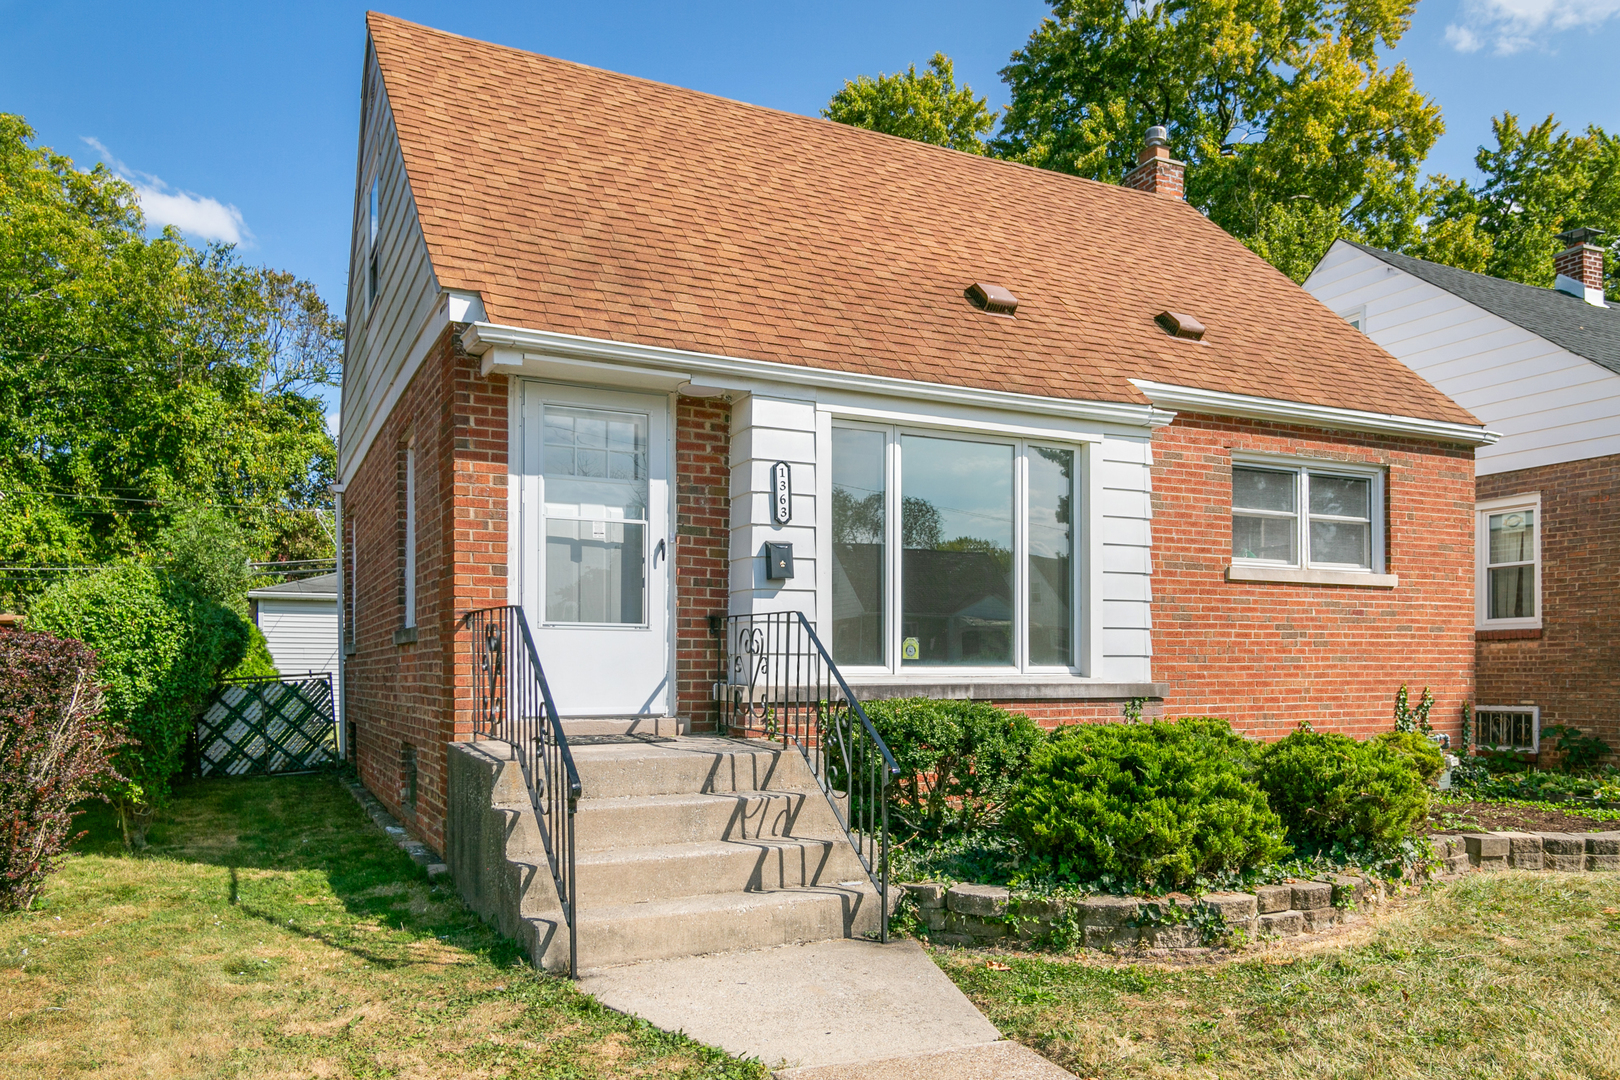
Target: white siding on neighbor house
(382,344)
(1549,404)
(302,634)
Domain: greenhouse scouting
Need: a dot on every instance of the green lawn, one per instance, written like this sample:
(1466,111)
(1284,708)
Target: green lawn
(271,931)
(1495,975)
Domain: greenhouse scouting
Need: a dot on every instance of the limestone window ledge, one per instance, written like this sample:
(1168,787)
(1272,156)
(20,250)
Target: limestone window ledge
(1293,576)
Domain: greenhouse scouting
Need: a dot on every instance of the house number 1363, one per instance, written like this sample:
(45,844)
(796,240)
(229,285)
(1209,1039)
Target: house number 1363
(781,493)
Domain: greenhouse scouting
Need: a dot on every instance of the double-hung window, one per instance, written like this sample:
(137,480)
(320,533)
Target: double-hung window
(953,551)
(1507,586)
(1308,516)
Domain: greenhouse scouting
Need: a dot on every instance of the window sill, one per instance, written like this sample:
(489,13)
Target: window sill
(406,636)
(1521,633)
(1290,575)
(941,685)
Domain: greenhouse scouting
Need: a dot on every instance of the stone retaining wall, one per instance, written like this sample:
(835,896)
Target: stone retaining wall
(989,914)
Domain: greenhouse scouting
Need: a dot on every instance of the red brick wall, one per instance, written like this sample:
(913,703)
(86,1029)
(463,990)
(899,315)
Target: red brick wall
(1269,655)
(1572,667)
(702,551)
(406,695)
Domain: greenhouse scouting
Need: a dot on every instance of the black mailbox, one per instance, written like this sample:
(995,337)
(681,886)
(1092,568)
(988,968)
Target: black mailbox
(778,562)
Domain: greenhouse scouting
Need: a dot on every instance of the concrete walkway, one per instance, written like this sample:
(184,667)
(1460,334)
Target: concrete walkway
(843,1009)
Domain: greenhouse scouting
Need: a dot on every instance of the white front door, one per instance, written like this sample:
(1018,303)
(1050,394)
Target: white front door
(594,559)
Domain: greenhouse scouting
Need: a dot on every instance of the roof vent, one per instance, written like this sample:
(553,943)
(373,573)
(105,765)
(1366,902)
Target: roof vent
(1181,326)
(992,298)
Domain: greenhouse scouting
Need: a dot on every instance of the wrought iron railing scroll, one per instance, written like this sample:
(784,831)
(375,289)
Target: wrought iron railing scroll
(780,683)
(512,703)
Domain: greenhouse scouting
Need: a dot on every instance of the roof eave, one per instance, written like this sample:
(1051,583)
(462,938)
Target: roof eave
(1220,403)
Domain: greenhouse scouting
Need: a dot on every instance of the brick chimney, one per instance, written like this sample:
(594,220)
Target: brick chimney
(1156,170)
(1580,266)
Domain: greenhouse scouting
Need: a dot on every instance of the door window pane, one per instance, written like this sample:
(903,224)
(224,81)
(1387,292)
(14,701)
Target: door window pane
(594,571)
(596,488)
(858,546)
(1051,555)
(956,531)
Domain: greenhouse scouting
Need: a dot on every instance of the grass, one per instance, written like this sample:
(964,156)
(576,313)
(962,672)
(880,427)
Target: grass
(1499,975)
(271,931)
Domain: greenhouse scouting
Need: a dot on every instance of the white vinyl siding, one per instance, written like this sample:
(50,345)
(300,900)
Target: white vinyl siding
(302,634)
(381,333)
(1548,404)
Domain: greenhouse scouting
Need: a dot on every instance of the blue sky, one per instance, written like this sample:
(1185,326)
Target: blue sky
(238,120)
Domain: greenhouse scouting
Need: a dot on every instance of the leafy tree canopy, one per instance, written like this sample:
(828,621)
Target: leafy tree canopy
(1292,128)
(928,108)
(138,376)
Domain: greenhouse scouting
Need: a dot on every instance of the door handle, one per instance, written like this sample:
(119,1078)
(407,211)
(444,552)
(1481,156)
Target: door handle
(658,551)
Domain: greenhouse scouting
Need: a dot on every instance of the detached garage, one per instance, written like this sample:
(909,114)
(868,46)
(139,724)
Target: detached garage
(299,621)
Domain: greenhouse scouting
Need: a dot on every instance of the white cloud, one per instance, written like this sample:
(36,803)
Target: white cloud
(197,215)
(1512,26)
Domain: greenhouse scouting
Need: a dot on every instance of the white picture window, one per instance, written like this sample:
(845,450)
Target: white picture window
(953,551)
(1508,727)
(1319,516)
(1508,558)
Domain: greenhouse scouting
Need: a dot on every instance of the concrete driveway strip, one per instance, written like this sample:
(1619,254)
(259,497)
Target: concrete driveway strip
(990,1061)
(823,1003)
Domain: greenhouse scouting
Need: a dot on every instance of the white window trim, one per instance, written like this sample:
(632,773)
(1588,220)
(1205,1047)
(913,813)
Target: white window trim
(1535,723)
(1482,540)
(410,536)
(1305,570)
(1356,317)
(1084,564)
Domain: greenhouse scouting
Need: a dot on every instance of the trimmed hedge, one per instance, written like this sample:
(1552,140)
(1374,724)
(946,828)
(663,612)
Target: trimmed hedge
(1158,804)
(56,750)
(161,648)
(1330,788)
(958,760)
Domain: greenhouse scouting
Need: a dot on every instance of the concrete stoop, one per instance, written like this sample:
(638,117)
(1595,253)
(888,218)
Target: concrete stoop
(683,846)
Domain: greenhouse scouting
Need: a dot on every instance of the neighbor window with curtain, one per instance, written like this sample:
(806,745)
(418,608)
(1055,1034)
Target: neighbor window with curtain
(1324,517)
(1508,587)
(951,551)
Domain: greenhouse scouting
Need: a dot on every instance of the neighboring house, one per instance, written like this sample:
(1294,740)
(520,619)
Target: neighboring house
(1542,367)
(1050,443)
(299,620)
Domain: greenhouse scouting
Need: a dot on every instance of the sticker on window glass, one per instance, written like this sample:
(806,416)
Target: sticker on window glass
(598,530)
(909,649)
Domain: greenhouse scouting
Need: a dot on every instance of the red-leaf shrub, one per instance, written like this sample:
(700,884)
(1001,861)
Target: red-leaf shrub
(55,751)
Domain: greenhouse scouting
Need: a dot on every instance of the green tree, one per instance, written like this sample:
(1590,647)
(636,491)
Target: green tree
(1293,130)
(928,108)
(1537,181)
(209,550)
(139,376)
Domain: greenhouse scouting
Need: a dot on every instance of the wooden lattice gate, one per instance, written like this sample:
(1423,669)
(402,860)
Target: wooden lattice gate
(254,727)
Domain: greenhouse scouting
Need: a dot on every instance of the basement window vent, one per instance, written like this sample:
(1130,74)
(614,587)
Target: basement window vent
(991,298)
(1180,326)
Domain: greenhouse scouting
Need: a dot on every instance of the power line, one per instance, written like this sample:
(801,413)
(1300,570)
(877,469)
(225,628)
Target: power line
(168,502)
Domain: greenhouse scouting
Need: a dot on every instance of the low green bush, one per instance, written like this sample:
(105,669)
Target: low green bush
(160,647)
(1330,788)
(958,760)
(1419,750)
(256,662)
(1159,804)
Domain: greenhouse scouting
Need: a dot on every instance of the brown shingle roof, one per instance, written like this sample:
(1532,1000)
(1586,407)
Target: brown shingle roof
(586,202)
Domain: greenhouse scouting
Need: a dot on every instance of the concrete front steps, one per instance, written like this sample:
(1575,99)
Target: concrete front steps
(683,846)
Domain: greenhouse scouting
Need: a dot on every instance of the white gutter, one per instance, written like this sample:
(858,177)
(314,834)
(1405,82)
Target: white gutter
(1194,399)
(509,346)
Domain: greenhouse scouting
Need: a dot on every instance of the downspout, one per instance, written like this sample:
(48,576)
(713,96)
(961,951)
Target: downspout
(342,717)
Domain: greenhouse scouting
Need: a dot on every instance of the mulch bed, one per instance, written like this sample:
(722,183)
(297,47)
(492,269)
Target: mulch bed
(1498,817)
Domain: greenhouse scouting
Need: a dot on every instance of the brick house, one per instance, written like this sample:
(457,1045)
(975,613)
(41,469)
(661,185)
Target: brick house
(1031,439)
(1542,367)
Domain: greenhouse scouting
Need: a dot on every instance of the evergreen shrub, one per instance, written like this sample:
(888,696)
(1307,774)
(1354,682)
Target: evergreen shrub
(161,648)
(1330,788)
(1157,805)
(958,760)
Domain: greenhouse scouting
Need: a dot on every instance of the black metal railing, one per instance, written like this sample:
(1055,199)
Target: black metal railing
(779,682)
(512,703)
